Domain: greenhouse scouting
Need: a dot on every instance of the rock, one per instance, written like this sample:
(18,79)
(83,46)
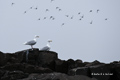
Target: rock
(56,76)
(47,59)
(61,66)
(115,69)
(80,71)
(14,75)
(100,72)
(2,59)
(93,63)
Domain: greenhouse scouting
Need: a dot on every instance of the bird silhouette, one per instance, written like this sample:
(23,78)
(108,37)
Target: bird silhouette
(45,17)
(63,24)
(82,16)
(71,17)
(52,0)
(60,9)
(67,15)
(106,18)
(51,17)
(39,19)
(57,7)
(98,10)
(12,4)
(90,10)
(47,10)
(79,13)
(36,8)
(91,22)
(80,19)
(25,12)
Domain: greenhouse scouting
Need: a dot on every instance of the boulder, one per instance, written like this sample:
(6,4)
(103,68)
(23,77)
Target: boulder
(56,76)
(80,71)
(14,75)
(61,66)
(101,72)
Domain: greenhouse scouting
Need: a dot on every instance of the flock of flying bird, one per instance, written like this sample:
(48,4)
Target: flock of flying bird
(34,41)
(59,9)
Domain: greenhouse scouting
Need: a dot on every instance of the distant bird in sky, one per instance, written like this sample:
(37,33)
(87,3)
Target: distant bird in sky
(60,9)
(36,8)
(57,7)
(72,17)
(39,19)
(52,0)
(90,10)
(12,4)
(51,17)
(47,10)
(32,42)
(106,18)
(79,13)
(82,16)
(47,47)
(91,22)
(80,19)
(31,7)
(98,10)
(25,12)
(63,24)
(67,15)
(45,17)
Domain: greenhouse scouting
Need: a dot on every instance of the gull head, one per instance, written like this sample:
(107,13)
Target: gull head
(36,36)
(49,41)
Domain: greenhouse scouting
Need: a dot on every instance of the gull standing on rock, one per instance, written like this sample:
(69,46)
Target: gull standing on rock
(47,47)
(32,42)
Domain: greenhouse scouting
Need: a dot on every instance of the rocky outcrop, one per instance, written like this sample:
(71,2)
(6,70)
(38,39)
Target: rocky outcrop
(45,65)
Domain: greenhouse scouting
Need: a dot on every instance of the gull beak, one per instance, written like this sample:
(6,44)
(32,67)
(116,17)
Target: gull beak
(50,41)
(36,36)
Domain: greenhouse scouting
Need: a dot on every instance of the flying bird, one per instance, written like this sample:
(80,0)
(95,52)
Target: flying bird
(25,12)
(47,47)
(106,18)
(12,4)
(82,16)
(79,13)
(36,8)
(60,9)
(44,17)
(52,0)
(32,42)
(98,10)
(63,24)
(47,10)
(80,19)
(90,10)
(67,15)
(91,22)
(57,7)
(72,17)
(39,19)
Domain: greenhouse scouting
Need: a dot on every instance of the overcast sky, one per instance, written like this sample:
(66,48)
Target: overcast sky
(73,36)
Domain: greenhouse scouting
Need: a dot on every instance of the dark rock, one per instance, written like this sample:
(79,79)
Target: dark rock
(2,59)
(61,66)
(56,76)
(14,75)
(100,72)
(115,69)
(80,71)
(94,63)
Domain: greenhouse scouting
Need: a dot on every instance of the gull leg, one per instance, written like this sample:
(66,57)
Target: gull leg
(32,47)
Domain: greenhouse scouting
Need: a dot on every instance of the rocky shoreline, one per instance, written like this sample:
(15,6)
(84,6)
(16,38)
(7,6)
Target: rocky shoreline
(45,65)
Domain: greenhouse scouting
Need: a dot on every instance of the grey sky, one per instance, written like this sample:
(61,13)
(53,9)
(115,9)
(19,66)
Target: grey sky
(76,39)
